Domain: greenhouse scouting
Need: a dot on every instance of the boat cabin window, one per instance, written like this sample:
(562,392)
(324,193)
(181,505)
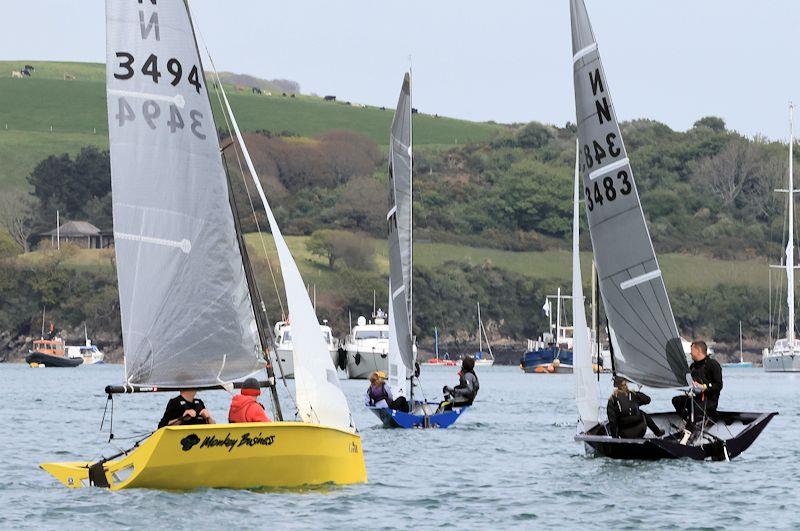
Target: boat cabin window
(372,334)
(287,336)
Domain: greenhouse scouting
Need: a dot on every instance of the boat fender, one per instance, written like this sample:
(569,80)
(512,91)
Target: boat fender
(341,361)
(358,358)
(97,475)
(416,369)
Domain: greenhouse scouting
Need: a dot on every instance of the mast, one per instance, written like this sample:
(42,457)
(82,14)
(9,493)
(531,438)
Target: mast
(741,348)
(410,211)
(255,294)
(480,337)
(558,315)
(252,286)
(790,243)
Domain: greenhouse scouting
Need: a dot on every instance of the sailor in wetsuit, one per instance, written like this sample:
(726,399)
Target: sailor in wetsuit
(706,386)
(625,419)
(467,389)
(185,408)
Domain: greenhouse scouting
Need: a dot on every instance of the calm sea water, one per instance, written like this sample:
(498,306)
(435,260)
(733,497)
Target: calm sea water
(510,462)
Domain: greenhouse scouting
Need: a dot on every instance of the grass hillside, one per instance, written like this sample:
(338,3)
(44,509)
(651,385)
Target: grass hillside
(76,112)
(680,270)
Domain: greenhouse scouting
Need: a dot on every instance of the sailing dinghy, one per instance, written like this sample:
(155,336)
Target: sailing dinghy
(403,366)
(187,295)
(648,348)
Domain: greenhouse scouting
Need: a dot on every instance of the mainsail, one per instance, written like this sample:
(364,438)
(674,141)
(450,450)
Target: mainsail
(585,384)
(631,284)
(398,221)
(187,316)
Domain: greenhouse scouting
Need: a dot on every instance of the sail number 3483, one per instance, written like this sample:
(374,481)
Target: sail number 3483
(595,154)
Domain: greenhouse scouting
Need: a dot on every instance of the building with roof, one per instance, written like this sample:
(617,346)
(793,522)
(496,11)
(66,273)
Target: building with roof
(80,233)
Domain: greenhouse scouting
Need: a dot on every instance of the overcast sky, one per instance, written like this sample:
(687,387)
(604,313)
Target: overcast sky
(504,60)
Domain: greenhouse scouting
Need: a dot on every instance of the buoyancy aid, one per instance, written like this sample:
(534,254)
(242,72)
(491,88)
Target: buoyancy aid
(376,395)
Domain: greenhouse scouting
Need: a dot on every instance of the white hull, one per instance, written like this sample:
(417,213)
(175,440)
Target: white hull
(286,356)
(484,363)
(782,362)
(368,362)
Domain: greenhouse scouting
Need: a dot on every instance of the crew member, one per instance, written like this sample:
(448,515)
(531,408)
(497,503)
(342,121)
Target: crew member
(245,407)
(185,408)
(706,386)
(379,394)
(465,392)
(625,419)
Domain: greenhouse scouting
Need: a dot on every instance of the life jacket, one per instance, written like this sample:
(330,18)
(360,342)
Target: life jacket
(630,415)
(244,408)
(376,396)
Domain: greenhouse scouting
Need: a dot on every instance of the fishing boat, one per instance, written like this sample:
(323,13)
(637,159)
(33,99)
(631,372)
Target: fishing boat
(404,370)
(741,364)
(192,316)
(552,352)
(284,349)
(483,359)
(784,356)
(647,350)
(89,353)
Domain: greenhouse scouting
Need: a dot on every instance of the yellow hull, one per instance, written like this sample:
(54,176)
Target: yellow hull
(236,456)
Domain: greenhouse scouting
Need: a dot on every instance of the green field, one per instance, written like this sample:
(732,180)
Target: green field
(680,270)
(76,111)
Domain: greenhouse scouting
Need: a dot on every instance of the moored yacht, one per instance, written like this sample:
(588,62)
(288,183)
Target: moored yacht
(784,356)
(367,347)
(285,351)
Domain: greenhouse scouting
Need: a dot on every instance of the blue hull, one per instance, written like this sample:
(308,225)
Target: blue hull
(398,419)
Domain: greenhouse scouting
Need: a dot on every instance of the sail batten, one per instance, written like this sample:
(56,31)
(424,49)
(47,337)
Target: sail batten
(631,284)
(187,316)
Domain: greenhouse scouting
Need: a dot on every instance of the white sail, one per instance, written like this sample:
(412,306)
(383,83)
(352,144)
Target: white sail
(319,397)
(398,372)
(187,317)
(585,383)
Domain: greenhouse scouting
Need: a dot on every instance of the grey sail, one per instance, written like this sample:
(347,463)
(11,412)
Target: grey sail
(400,183)
(631,284)
(187,317)
(398,221)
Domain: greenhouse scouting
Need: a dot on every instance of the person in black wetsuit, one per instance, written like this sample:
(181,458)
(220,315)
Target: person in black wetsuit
(625,419)
(706,386)
(467,389)
(185,408)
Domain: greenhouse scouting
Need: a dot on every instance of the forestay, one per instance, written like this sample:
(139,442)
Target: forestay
(585,384)
(319,397)
(631,284)
(398,221)
(187,317)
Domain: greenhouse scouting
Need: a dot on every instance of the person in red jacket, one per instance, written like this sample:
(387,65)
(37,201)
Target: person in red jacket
(244,407)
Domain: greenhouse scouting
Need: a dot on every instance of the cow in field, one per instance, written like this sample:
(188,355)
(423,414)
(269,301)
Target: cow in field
(69,77)
(16,73)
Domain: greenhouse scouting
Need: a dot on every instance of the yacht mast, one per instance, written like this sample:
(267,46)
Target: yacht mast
(790,243)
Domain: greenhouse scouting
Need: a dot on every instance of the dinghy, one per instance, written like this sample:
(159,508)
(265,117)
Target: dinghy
(647,348)
(192,316)
(403,366)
